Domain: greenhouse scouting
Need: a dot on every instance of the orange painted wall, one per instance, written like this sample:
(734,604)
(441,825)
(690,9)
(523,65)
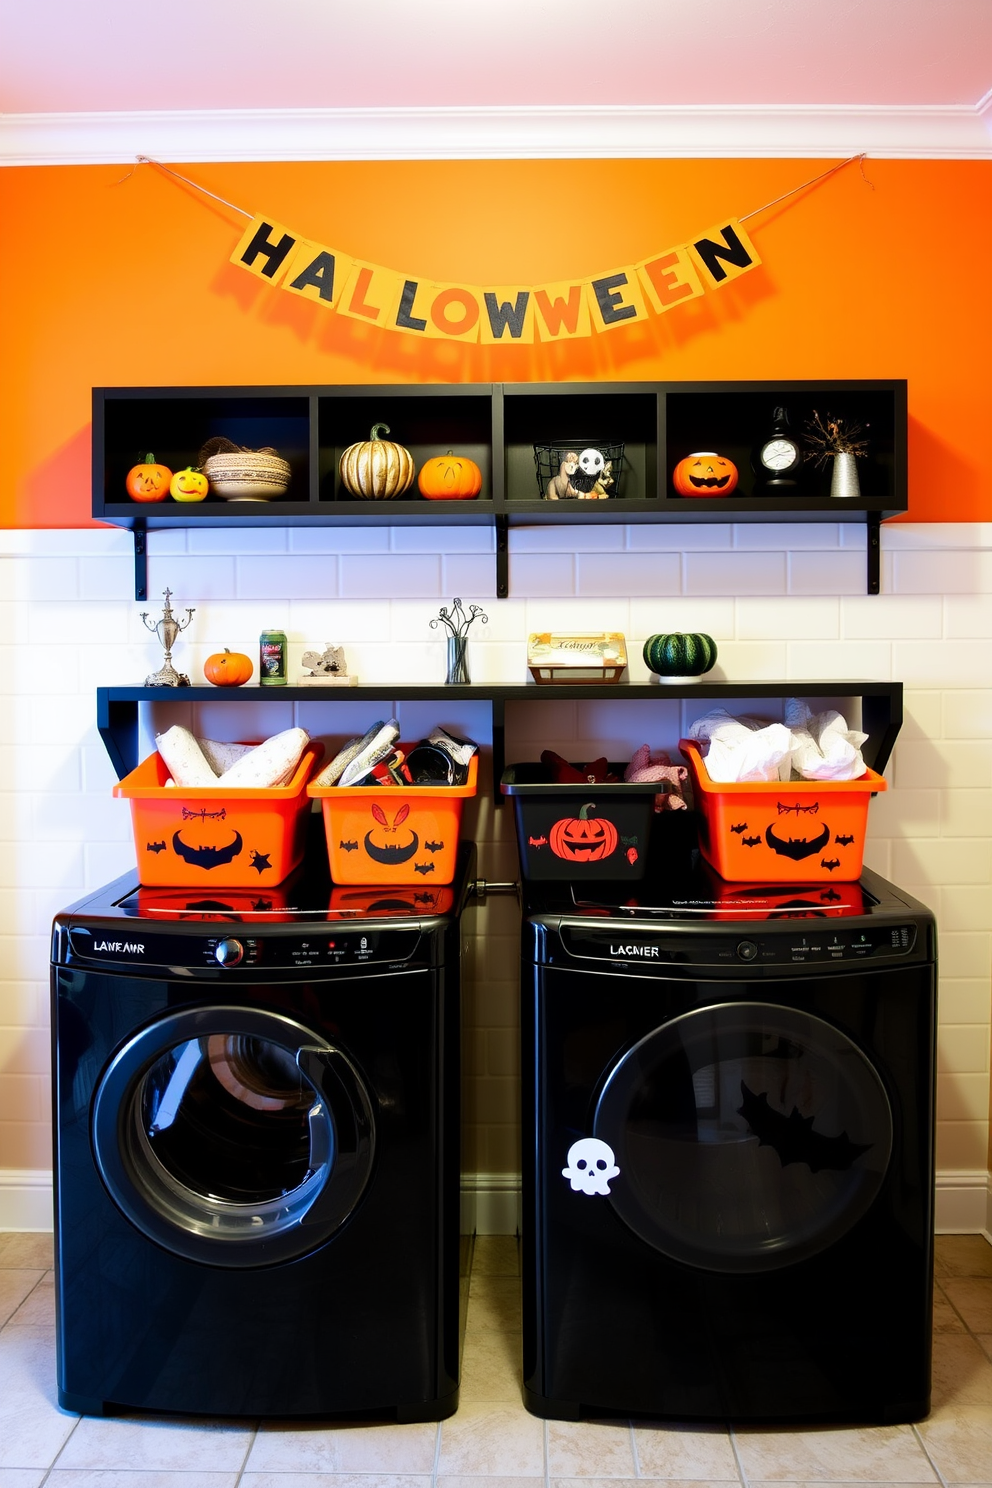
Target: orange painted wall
(127,282)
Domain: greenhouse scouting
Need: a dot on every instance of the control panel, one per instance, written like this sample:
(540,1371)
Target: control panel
(315,947)
(801,944)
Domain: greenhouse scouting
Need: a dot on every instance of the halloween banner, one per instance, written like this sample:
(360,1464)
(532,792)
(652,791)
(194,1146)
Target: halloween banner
(494,313)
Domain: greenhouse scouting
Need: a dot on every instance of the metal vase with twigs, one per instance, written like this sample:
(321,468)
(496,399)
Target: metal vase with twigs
(456,622)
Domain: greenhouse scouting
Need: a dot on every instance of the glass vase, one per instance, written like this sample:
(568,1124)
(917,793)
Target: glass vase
(457,664)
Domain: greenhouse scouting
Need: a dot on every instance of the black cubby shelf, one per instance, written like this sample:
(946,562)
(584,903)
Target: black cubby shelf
(881,705)
(498,426)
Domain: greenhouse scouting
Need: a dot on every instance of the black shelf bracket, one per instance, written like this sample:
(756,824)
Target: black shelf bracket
(874,553)
(140,534)
(501,523)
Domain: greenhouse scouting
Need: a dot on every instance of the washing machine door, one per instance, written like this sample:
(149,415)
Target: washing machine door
(233,1135)
(748,1136)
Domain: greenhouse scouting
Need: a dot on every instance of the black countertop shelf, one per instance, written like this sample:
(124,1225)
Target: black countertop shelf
(881,705)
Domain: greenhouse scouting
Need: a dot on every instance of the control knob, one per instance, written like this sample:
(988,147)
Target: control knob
(229,952)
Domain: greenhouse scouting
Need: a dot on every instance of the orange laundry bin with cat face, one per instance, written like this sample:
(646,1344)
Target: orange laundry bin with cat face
(394,834)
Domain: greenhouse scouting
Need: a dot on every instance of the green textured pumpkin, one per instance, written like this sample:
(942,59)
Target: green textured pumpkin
(680,654)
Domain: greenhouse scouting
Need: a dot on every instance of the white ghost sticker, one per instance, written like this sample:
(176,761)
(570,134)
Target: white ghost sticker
(590,1166)
(591,463)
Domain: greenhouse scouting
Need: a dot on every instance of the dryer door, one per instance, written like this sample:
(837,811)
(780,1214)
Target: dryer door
(748,1136)
(233,1135)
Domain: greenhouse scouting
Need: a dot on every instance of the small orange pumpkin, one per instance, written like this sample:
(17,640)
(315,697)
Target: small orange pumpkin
(189,485)
(582,838)
(227,668)
(705,474)
(148,481)
(450,477)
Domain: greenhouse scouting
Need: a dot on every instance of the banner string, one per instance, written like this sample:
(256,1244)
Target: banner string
(821,177)
(147,160)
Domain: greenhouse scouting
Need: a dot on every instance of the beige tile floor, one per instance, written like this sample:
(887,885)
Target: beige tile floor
(492,1442)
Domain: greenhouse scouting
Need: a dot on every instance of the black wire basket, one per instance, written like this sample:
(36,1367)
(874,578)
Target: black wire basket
(578,469)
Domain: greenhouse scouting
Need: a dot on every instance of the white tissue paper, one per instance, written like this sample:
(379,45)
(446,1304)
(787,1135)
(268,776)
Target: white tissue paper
(743,749)
(823,747)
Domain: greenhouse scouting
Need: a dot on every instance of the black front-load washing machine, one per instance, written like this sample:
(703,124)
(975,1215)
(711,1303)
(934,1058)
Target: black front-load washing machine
(728,1151)
(257,1150)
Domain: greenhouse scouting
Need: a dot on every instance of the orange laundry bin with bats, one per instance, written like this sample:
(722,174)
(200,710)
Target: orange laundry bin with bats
(394,834)
(793,831)
(224,837)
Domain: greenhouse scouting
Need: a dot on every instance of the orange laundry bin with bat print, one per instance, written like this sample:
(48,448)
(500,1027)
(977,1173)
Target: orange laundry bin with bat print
(792,831)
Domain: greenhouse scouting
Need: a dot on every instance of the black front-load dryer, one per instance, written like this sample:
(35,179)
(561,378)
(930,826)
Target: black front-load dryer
(728,1151)
(257,1150)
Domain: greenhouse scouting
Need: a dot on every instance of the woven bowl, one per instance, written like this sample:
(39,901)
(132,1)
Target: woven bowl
(249,475)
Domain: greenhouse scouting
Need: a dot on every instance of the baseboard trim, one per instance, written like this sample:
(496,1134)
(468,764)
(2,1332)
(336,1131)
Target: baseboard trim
(964,1204)
(25,1199)
(490,1202)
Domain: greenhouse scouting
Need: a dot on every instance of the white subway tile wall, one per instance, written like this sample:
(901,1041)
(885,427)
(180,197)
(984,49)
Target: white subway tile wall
(782,602)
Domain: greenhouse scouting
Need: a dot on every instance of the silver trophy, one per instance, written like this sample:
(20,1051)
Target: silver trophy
(167,629)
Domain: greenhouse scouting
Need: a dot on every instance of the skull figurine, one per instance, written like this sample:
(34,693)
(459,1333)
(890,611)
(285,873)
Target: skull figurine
(590,1166)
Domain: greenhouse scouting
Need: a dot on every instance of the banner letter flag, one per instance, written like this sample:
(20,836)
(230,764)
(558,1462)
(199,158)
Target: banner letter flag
(561,311)
(371,293)
(454,312)
(408,316)
(670,279)
(724,253)
(508,317)
(264,249)
(616,299)
(316,273)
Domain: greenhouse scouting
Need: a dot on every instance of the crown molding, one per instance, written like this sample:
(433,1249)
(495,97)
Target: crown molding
(931,132)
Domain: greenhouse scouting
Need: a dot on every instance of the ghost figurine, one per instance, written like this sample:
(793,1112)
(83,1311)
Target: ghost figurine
(590,1166)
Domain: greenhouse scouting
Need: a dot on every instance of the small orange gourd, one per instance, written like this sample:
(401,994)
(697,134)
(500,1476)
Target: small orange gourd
(227,668)
(148,481)
(450,477)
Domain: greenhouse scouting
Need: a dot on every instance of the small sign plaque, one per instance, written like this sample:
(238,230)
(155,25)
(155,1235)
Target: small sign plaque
(565,657)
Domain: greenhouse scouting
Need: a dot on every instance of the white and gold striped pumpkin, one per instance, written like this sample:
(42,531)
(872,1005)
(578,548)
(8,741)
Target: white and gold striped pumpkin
(376,468)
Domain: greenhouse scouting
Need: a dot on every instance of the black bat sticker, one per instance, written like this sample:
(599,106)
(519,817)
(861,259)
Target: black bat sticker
(207,857)
(423,867)
(750,841)
(799,810)
(830,864)
(204,815)
(433,846)
(797,847)
(830,895)
(844,841)
(740,827)
(155,847)
(793,1137)
(348,846)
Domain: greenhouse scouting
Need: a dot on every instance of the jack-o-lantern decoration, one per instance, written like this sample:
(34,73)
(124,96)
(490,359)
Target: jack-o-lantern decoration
(376,468)
(148,481)
(383,844)
(189,485)
(705,474)
(583,838)
(227,668)
(450,477)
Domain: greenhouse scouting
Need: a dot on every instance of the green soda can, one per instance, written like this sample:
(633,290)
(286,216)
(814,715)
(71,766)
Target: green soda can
(272,658)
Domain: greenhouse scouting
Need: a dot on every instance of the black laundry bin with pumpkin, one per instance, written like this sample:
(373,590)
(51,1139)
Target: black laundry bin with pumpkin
(579,830)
